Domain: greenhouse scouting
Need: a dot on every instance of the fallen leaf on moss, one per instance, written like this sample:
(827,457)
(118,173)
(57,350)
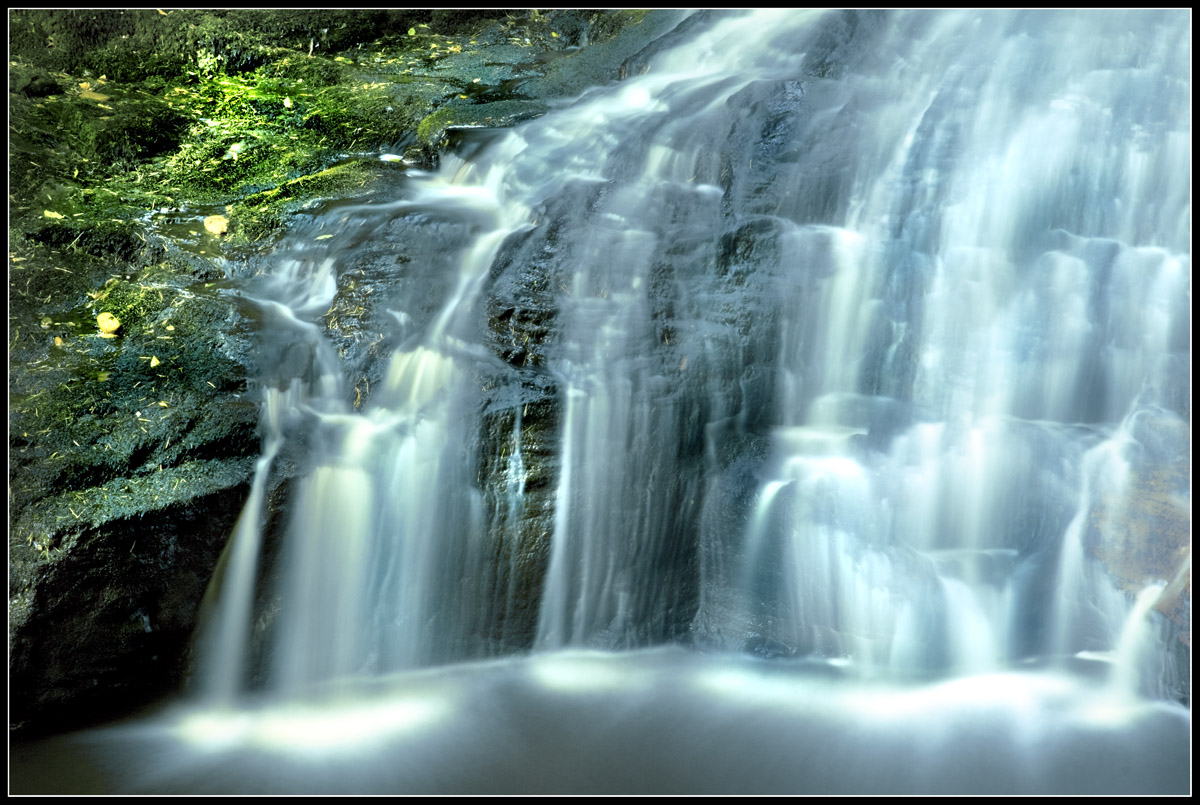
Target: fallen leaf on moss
(216,225)
(108,324)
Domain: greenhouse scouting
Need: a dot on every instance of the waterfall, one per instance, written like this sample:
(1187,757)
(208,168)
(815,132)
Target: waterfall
(902,294)
(865,343)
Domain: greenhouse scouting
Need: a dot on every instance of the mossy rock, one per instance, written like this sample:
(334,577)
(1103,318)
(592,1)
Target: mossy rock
(30,81)
(86,134)
(499,114)
(263,216)
(86,408)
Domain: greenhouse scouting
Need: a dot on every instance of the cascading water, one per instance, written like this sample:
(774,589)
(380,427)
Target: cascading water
(867,344)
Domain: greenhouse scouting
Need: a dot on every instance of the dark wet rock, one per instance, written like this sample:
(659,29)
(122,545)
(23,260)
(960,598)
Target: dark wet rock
(129,457)
(614,40)
(102,627)
(518,475)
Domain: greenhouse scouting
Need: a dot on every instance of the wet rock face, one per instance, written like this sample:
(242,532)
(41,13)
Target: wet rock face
(133,429)
(518,472)
(131,442)
(1144,536)
(104,627)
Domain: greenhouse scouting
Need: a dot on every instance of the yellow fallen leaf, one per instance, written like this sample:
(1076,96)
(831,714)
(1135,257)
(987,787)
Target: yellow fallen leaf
(160,11)
(58,342)
(51,214)
(554,34)
(108,324)
(162,403)
(216,225)
(154,361)
(93,96)
(412,31)
(287,103)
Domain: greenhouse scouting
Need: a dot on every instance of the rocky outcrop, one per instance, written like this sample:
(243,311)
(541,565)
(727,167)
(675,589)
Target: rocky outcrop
(132,438)
(156,156)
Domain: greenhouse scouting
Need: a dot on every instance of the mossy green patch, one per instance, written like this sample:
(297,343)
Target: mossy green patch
(490,115)
(85,408)
(90,131)
(263,215)
(263,129)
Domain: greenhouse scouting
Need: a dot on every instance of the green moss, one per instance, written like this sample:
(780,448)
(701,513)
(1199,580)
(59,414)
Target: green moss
(208,106)
(431,129)
(70,138)
(294,69)
(338,180)
(85,409)
(500,113)
(128,45)
(130,301)
(265,129)
(264,214)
